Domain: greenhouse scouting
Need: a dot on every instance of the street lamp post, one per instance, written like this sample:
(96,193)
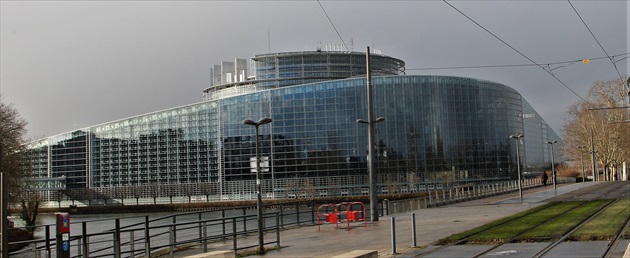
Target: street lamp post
(582,161)
(371,171)
(370,122)
(518,163)
(553,165)
(259,204)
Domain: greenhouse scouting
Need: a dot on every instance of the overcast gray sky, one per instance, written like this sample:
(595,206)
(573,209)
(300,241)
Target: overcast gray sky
(71,64)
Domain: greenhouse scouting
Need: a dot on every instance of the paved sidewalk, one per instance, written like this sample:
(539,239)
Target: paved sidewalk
(431,224)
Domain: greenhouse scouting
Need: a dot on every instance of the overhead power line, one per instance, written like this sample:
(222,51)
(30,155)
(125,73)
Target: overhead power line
(333,25)
(600,45)
(548,65)
(515,50)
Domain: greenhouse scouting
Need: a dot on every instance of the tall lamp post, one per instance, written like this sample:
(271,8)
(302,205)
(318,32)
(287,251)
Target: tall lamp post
(370,122)
(259,204)
(518,163)
(553,165)
(371,171)
(582,161)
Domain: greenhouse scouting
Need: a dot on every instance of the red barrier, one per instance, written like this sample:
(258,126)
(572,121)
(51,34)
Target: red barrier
(342,212)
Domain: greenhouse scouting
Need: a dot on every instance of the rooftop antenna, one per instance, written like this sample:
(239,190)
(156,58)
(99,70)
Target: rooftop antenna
(268,41)
(351,45)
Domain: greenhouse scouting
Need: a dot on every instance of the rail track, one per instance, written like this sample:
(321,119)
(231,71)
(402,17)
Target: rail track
(614,192)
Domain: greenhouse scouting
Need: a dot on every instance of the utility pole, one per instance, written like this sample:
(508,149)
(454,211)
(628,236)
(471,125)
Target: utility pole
(595,173)
(371,172)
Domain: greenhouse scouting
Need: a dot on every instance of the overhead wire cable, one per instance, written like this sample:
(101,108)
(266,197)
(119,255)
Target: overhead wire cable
(515,65)
(495,36)
(600,45)
(333,25)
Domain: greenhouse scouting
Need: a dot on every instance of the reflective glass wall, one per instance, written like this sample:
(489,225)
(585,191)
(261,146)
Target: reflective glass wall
(437,130)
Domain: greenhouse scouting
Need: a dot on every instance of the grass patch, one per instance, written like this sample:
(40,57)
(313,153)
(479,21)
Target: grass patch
(606,225)
(462,235)
(559,226)
(513,228)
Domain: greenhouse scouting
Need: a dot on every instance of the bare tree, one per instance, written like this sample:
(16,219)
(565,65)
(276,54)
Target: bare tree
(120,192)
(189,190)
(88,195)
(598,124)
(12,150)
(170,190)
(136,190)
(154,189)
(208,189)
(29,210)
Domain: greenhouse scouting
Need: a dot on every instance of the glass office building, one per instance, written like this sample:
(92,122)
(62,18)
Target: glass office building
(438,131)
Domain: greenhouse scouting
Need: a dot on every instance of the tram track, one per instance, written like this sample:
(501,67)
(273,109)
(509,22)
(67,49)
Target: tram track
(467,238)
(553,244)
(613,193)
(615,242)
(517,236)
(611,246)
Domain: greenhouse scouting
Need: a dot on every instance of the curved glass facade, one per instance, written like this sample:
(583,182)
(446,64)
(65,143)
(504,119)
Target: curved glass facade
(304,67)
(438,131)
(286,69)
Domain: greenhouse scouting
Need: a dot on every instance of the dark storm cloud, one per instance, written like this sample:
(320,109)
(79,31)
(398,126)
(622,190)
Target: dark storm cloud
(67,65)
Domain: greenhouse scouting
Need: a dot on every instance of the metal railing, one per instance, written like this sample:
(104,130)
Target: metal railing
(460,194)
(141,236)
(166,235)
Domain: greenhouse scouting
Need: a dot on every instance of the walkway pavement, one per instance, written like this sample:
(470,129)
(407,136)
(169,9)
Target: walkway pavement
(431,224)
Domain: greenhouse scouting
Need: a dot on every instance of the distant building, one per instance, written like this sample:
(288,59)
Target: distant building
(438,131)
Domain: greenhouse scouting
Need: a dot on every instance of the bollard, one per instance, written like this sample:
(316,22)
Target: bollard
(200,224)
(235,248)
(277,230)
(174,228)
(117,253)
(223,222)
(171,241)
(132,244)
(84,239)
(393,235)
(48,252)
(414,242)
(244,220)
(205,237)
(386,206)
(147,238)
(297,213)
(281,216)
